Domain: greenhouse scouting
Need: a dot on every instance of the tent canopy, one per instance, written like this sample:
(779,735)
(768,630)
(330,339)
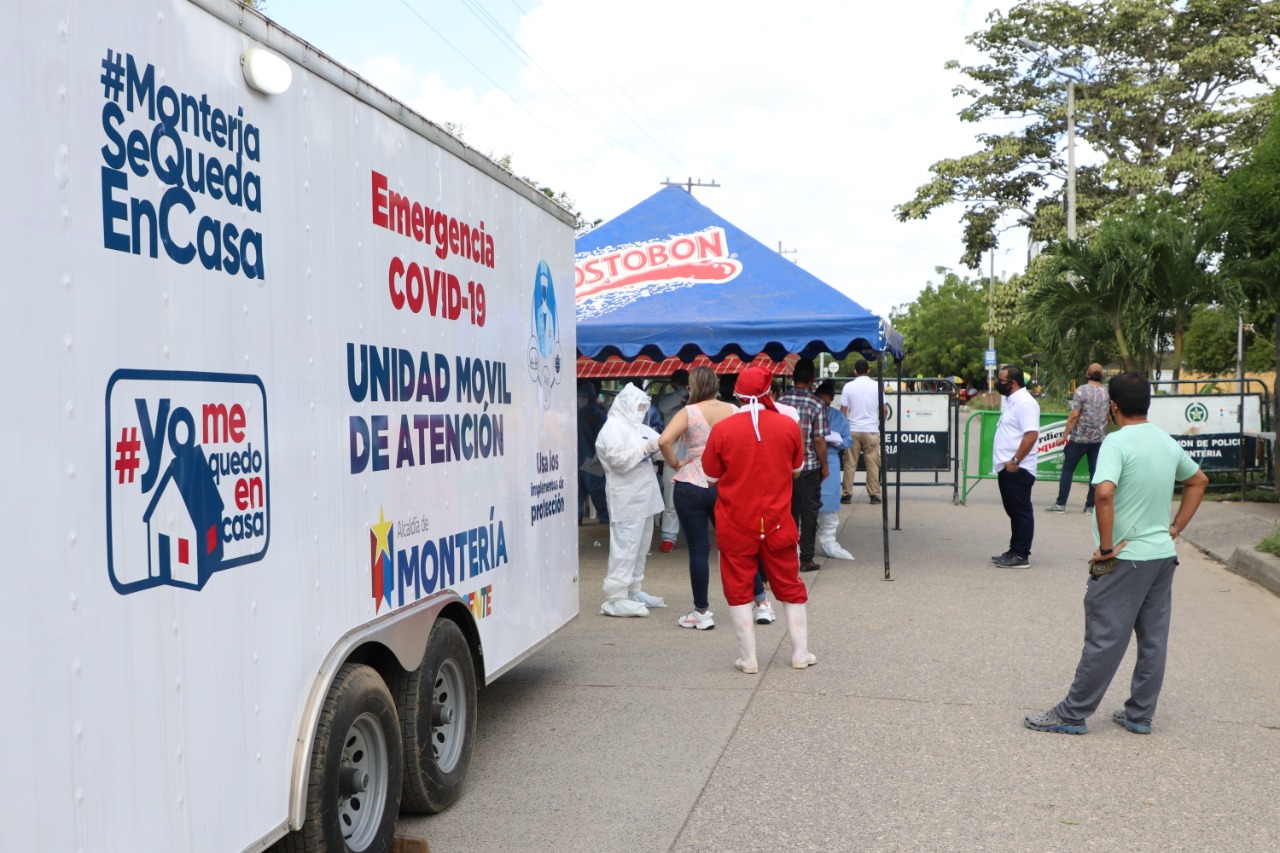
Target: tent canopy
(670,277)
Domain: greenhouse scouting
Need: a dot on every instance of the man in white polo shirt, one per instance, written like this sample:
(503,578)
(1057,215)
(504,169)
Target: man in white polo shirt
(1013,458)
(860,402)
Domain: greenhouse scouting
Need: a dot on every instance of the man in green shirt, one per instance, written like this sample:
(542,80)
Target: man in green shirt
(1131,570)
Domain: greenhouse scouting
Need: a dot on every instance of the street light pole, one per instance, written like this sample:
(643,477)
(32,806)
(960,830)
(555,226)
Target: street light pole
(1071,132)
(1071,158)
(991,316)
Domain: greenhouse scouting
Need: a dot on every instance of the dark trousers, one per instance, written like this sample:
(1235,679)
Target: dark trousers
(1072,453)
(1015,494)
(696,509)
(592,486)
(806,500)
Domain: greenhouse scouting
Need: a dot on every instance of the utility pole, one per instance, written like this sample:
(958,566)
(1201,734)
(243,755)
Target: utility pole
(991,317)
(689,184)
(782,251)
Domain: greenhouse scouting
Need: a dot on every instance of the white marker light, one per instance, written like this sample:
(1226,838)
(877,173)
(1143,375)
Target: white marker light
(265,71)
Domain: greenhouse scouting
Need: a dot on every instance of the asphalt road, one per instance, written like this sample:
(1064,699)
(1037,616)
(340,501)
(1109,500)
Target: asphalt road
(635,734)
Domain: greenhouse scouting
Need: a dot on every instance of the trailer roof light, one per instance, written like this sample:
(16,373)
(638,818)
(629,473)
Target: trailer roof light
(265,71)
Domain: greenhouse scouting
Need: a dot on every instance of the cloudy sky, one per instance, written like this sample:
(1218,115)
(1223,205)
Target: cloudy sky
(815,117)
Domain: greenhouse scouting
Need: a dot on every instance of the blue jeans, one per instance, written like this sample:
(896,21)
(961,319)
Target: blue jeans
(696,509)
(1015,494)
(1071,456)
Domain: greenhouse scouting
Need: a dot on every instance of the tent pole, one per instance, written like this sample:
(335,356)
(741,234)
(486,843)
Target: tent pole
(884,505)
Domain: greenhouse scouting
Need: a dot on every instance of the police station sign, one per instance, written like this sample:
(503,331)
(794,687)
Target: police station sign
(923,441)
(1208,427)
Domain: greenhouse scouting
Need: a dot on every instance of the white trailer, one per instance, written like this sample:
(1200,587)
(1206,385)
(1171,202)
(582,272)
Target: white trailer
(287,422)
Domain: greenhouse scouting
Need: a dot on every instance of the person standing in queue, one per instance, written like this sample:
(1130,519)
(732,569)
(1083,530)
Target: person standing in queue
(806,496)
(860,402)
(668,405)
(1086,427)
(693,494)
(625,448)
(1013,457)
(591,418)
(838,439)
(1130,588)
(753,458)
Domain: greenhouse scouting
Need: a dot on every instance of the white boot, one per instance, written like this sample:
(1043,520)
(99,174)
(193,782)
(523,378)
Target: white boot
(745,628)
(828,522)
(798,626)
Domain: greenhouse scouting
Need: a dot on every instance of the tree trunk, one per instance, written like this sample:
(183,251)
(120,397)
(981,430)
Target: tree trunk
(1123,344)
(1177,351)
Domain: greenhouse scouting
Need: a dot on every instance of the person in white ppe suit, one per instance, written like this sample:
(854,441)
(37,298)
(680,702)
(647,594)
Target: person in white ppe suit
(838,439)
(625,447)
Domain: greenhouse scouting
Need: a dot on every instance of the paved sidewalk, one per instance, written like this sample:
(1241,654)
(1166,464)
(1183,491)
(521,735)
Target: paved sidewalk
(1228,531)
(634,734)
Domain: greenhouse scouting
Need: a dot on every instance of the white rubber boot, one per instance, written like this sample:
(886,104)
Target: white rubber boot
(745,628)
(798,626)
(828,522)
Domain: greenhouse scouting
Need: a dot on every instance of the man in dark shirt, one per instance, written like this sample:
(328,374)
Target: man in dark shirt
(806,489)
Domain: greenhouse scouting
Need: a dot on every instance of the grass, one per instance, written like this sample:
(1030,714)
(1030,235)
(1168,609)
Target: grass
(1271,545)
(1261,496)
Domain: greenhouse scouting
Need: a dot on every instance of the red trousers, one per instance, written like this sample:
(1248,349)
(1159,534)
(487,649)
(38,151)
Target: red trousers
(781,569)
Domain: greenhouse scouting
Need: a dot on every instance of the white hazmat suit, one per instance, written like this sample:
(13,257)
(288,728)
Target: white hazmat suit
(624,448)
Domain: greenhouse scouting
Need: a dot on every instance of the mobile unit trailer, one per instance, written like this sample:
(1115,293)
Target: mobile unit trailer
(286,407)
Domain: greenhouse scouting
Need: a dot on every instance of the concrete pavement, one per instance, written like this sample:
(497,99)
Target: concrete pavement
(634,734)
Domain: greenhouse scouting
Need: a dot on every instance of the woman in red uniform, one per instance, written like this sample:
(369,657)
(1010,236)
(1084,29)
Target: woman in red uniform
(753,456)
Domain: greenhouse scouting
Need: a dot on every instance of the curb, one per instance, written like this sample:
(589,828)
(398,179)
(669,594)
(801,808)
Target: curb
(1257,566)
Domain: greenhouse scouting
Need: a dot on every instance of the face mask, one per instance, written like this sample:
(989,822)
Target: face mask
(1004,387)
(582,402)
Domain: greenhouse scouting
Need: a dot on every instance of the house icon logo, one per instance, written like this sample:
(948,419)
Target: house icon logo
(187,477)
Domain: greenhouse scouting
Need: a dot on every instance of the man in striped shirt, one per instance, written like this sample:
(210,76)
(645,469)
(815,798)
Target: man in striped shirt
(806,488)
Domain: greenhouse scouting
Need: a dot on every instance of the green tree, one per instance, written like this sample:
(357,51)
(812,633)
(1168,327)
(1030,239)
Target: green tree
(1212,343)
(1163,100)
(1247,203)
(944,334)
(1247,206)
(1179,251)
(1085,291)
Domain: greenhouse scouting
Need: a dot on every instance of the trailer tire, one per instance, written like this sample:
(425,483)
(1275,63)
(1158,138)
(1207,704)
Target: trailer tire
(356,774)
(437,703)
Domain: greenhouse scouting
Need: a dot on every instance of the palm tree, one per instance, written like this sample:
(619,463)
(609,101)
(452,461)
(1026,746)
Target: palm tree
(1181,278)
(1087,289)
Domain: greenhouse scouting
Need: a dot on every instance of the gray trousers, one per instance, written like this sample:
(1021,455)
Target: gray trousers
(1136,598)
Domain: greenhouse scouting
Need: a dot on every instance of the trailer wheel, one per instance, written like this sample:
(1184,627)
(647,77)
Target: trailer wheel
(353,793)
(437,704)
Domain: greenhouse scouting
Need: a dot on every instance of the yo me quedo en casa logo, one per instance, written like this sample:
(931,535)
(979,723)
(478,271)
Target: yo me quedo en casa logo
(188,477)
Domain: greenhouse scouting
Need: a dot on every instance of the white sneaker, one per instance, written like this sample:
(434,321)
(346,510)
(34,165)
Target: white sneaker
(623,607)
(763,613)
(697,621)
(646,599)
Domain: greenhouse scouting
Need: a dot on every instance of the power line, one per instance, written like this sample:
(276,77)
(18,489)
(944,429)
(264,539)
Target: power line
(513,46)
(495,83)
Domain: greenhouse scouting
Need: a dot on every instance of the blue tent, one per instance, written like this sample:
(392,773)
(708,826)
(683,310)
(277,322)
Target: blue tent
(671,277)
